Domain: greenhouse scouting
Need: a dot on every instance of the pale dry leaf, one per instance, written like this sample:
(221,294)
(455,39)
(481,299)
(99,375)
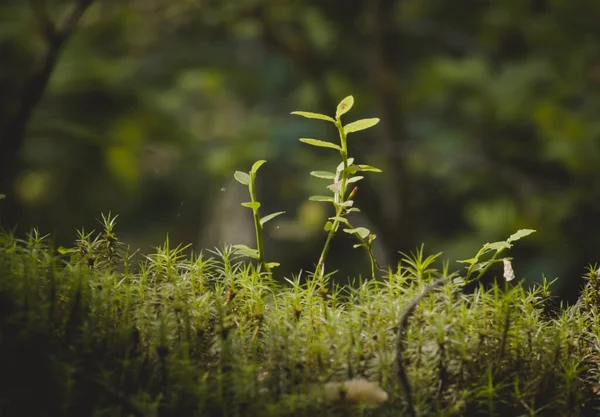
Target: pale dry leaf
(509,274)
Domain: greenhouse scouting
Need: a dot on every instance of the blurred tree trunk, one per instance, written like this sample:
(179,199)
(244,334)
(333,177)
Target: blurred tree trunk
(392,213)
(13,134)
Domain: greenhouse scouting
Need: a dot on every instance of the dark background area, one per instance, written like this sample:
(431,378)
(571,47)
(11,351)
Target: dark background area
(490,122)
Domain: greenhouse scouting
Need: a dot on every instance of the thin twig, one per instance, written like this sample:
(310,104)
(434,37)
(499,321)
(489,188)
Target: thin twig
(400,340)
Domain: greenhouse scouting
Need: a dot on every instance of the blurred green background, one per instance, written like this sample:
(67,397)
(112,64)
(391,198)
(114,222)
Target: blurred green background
(490,122)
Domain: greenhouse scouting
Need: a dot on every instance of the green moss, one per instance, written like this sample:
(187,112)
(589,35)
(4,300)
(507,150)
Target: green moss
(182,334)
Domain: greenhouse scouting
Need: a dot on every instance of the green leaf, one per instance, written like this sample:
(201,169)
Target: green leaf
(497,246)
(246,251)
(310,115)
(257,165)
(63,251)
(328,226)
(323,174)
(354,179)
(273,264)
(321,198)
(520,234)
(360,125)
(361,231)
(358,245)
(2,196)
(347,203)
(344,106)
(320,143)
(340,167)
(253,206)
(468,261)
(341,220)
(242,177)
(368,168)
(355,209)
(270,217)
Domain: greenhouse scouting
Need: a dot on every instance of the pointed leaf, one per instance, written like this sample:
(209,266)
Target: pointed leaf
(63,251)
(253,206)
(246,251)
(344,106)
(323,174)
(257,165)
(340,167)
(341,220)
(497,246)
(242,177)
(354,179)
(347,203)
(321,198)
(320,143)
(358,245)
(360,125)
(310,115)
(468,261)
(368,168)
(270,217)
(273,264)
(520,234)
(361,231)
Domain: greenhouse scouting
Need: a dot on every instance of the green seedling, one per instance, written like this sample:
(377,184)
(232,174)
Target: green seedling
(341,180)
(249,180)
(477,268)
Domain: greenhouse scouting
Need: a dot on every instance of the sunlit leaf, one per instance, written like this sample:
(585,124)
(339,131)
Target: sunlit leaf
(340,166)
(368,168)
(354,179)
(498,246)
(320,143)
(320,198)
(520,234)
(63,251)
(310,115)
(246,251)
(254,206)
(242,177)
(340,219)
(360,125)
(270,217)
(361,231)
(257,165)
(344,106)
(323,174)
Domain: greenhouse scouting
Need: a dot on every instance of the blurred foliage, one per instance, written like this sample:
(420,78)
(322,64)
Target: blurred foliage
(489,121)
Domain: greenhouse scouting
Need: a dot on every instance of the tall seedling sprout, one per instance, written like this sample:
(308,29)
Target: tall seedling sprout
(342,179)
